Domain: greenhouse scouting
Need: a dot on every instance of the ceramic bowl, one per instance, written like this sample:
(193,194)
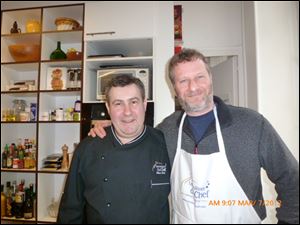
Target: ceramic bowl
(25,52)
(74,55)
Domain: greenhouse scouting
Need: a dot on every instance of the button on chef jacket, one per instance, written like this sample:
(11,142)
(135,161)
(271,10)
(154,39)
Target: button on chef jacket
(113,183)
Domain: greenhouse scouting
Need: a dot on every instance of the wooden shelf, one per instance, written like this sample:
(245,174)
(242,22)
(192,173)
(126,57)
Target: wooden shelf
(48,135)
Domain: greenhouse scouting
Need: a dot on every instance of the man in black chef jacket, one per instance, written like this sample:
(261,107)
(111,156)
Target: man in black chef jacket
(123,178)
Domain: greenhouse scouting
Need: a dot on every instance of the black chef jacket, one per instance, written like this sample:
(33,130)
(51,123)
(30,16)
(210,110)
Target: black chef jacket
(113,183)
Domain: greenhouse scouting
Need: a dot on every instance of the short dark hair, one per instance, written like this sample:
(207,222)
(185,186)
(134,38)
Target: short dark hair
(186,55)
(123,80)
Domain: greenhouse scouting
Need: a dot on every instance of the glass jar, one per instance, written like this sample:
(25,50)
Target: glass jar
(53,208)
(19,106)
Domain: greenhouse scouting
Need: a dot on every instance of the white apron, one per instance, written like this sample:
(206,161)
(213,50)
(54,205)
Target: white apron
(204,188)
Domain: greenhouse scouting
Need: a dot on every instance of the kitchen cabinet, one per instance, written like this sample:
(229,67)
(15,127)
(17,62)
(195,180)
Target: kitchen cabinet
(119,19)
(31,81)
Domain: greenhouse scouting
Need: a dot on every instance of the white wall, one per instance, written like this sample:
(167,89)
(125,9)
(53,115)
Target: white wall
(164,48)
(249,44)
(277,38)
(211,24)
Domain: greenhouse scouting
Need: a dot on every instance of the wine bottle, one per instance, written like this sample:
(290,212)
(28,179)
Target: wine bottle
(4,156)
(9,200)
(58,53)
(18,206)
(28,204)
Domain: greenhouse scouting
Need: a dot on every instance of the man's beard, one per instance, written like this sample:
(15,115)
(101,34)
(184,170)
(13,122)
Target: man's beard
(207,101)
(196,107)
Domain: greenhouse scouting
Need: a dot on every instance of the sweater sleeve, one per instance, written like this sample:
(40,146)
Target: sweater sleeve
(283,170)
(71,210)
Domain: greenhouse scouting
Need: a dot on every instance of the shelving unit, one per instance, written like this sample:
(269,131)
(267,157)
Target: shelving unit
(49,183)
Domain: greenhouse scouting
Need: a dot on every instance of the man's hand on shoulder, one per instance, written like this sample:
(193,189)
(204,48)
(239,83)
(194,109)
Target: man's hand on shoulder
(98,129)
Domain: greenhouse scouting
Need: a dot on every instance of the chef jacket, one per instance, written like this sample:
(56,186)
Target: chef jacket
(113,183)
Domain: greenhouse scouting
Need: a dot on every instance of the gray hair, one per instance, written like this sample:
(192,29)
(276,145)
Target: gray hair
(186,55)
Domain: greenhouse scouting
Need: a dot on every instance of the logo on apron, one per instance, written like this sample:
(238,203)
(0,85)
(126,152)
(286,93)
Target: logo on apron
(195,194)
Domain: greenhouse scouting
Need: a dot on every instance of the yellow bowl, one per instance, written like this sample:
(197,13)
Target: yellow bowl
(25,52)
(33,26)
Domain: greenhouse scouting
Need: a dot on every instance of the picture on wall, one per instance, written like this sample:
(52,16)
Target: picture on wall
(178,22)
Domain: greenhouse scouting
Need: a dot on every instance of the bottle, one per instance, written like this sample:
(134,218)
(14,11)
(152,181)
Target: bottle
(9,201)
(58,53)
(78,83)
(21,159)
(77,109)
(3,201)
(18,207)
(33,197)
(9,154)
(13,190)
(53,208)
(28,204)
(33,111)
(77,106)
(4,156)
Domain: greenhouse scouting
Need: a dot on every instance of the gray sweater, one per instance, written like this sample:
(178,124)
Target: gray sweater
(251,143)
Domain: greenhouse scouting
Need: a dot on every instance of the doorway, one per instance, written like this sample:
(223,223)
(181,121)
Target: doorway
(225,78)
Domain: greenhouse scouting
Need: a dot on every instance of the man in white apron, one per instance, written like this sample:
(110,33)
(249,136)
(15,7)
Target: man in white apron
(204,188)
(203,185)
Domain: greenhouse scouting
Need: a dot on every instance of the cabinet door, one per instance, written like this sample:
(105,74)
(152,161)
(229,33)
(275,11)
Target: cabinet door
(105,20)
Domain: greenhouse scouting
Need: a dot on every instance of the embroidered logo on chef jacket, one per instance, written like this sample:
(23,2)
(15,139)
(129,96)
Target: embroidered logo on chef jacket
(159,168)
(194,193)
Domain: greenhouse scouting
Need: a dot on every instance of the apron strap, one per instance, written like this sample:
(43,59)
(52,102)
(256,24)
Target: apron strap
(180,131)
(219,134)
